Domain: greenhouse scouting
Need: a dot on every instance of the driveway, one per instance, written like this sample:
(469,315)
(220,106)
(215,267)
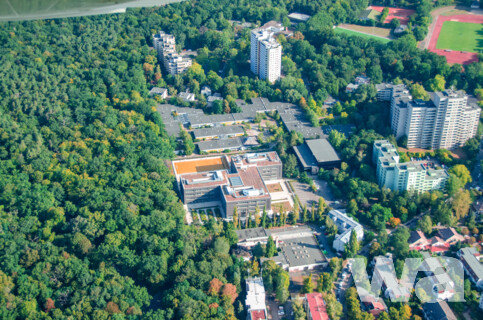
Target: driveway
(273,305)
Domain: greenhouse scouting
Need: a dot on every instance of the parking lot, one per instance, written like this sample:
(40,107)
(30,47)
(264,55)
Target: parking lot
(307,196)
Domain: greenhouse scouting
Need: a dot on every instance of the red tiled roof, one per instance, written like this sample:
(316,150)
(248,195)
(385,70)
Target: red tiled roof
(257,315)
(317,307)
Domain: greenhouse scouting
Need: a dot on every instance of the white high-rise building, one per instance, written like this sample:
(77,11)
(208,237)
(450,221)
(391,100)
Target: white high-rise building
(445,122)
(404,176)
(266,52)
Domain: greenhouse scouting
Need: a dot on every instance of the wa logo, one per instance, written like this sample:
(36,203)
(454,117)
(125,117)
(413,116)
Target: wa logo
(437,279)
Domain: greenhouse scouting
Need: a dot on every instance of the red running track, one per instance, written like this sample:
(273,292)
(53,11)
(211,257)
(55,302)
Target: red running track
(454,56)
(396,13)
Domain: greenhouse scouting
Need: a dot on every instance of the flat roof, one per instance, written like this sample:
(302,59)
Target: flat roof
(220,144)
(299,16)
(322,150)
(215,131)
(301,251)
(305,156)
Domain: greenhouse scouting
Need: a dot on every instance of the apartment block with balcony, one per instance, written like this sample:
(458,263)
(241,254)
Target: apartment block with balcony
(404,176)
(447,121)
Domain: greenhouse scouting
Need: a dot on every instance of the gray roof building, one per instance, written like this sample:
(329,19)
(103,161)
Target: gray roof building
(324,153)
(220,145)
(218,132)
(473,268)
(298,248)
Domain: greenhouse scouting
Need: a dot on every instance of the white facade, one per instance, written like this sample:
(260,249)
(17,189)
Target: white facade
(345,225)
(404,176)
(445,122)
(266,52)
(255,299)
(270,60)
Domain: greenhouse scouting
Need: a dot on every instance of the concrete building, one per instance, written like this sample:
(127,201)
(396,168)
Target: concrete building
(165,45)
(266,52)
(407,176)
(345,226)
(471,263)
(255,299)
(218,132)
(438,311)
(298,248)
(315,154)
(445,122)
(161,92)
(315,307)
(237,182)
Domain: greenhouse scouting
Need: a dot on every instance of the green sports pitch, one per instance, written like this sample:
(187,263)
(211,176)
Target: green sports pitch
(360,34)
(461,36)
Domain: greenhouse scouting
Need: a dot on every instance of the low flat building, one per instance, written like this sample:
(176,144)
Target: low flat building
(315,154)
(299,249)
(223,132)
(472,265)
(345,226)
(298,17)
(438,311)
(315,307)
(255,299)
(220,145)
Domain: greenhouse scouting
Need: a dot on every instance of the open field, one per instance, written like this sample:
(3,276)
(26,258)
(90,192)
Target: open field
(395,13)
(376,31)
(200,165)
(455,56)
(360,34)
(275,187)
(461,36)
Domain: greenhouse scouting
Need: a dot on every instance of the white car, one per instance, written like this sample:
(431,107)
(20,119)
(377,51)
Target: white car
(281,312)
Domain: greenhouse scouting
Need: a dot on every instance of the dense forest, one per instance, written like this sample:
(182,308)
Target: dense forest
(90,225)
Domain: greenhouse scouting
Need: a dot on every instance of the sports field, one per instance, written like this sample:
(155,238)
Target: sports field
(461,36)
(360,34)
(453,40)
(200,165)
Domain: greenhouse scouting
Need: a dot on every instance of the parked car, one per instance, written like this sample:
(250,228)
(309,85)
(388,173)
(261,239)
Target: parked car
(281,311)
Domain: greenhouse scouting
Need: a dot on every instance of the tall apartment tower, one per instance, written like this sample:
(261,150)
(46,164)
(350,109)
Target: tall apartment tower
(266,52)
(456,121)
(445,122)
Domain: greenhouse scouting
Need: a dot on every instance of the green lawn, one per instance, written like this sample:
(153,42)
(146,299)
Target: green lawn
(359,34)
(461,36)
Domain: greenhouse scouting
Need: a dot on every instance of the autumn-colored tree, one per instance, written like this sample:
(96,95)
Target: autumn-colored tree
(229,290)
(49,305)
(394,222)
(112,308)
(215,286)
